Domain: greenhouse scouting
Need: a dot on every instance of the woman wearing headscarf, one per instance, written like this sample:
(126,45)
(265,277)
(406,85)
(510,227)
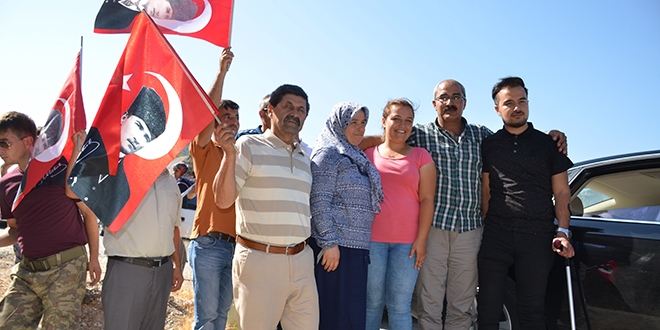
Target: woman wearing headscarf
(346,194)
(400,230)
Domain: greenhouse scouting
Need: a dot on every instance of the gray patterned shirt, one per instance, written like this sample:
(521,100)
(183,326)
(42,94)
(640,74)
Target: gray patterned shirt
(458,196)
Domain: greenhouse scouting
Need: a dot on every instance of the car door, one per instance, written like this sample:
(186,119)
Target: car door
(616,234)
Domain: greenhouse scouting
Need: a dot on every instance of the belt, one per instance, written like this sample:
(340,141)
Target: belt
(146,262)
(222,236)
(55,260)
(288,250)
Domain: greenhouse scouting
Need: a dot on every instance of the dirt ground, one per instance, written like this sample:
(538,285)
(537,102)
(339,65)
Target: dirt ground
(179,307)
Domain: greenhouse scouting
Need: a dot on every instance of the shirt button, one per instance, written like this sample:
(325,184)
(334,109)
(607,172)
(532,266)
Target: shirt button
(515,151)
(93,188)
(515,143)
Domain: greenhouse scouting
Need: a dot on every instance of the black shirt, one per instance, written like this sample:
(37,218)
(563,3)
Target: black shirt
(520,170)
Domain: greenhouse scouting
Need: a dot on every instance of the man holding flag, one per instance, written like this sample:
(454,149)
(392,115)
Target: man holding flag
(152,108)
(214,231)
(49,284)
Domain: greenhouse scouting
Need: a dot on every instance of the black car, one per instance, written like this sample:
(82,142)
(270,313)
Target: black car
(616,234)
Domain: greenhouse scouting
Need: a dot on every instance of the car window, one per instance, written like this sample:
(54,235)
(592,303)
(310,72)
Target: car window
(591,197)
(632,195)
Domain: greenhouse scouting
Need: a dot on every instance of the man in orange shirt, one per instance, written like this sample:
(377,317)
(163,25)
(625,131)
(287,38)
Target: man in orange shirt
(214,231)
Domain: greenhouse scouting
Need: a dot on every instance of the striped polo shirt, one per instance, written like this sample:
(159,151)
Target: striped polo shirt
(273,180)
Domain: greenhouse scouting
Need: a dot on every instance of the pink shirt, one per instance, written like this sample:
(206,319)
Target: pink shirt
(398,219)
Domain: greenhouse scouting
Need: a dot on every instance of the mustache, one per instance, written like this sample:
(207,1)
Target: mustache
(292,118)
(450,108)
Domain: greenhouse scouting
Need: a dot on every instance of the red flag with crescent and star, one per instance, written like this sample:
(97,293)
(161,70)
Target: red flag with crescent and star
(152,109)
(53,146)
(210,20)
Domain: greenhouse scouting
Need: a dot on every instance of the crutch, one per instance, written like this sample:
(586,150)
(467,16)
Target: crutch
(558,246)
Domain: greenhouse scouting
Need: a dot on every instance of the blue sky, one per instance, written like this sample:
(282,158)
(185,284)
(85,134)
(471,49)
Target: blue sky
(592,67)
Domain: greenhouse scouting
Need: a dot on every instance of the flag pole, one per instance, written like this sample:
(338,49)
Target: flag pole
(80,86)
(80,62)
(231,23)
(209,105)
(231,28)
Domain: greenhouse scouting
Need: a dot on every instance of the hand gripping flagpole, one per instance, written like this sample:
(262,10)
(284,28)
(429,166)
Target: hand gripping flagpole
(209,106)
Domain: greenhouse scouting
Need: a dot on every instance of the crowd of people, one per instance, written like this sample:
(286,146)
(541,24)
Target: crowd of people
(308,239)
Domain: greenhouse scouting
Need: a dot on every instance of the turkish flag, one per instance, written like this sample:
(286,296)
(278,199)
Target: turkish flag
(53,146)
(152,109)
(209,20)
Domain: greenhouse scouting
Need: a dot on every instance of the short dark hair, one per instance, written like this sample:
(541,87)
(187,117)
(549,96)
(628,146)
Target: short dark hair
(228,104)
(18,123)
(508,82)
(181,165)
(277,95)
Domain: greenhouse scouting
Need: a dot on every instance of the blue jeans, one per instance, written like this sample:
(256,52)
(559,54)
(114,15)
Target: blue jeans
(391,281)
(210,260)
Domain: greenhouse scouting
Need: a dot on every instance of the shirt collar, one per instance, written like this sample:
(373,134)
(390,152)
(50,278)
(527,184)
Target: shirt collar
(524,134)
(277,143)
(440,128)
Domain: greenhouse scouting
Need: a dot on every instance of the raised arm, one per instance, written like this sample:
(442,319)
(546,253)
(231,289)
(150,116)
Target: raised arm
(78,139)
(370,141)
(215,94)
(224,184)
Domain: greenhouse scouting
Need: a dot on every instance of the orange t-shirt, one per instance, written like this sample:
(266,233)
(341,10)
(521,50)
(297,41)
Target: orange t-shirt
(208,216)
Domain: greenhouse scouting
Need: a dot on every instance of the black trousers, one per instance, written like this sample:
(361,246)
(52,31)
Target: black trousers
(342,292)
(532,257)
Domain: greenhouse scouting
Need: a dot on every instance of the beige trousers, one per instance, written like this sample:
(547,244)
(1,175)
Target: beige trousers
(272,288)
(450,269)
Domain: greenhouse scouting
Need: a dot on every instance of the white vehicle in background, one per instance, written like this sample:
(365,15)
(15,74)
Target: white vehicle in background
(187,214)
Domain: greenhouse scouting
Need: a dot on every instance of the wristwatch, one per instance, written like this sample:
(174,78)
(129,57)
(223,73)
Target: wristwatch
(565,231)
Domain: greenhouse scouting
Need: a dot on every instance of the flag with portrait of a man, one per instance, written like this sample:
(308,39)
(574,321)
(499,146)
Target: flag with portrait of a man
(152,109)
(53,146)
(209,20)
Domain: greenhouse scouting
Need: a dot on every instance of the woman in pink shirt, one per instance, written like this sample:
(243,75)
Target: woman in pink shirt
(399,231)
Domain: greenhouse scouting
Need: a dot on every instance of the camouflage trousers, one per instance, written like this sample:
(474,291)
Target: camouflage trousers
(56,294)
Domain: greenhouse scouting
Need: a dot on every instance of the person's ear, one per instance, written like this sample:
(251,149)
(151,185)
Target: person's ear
(497,109)
(28,141)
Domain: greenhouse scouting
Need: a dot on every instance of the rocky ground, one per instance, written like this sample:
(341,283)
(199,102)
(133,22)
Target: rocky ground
(179,309)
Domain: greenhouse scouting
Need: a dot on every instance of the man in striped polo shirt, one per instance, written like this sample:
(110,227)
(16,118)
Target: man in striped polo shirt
(269,178)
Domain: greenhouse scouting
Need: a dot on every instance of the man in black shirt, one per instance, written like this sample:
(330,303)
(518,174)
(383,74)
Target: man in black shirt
(522,171)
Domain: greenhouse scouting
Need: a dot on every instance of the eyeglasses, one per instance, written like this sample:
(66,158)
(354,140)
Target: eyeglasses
(453,97)
(4,144)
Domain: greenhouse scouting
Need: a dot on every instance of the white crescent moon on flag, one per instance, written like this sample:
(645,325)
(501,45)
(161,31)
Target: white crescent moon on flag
(192,26)
(162,145)
(56,149)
